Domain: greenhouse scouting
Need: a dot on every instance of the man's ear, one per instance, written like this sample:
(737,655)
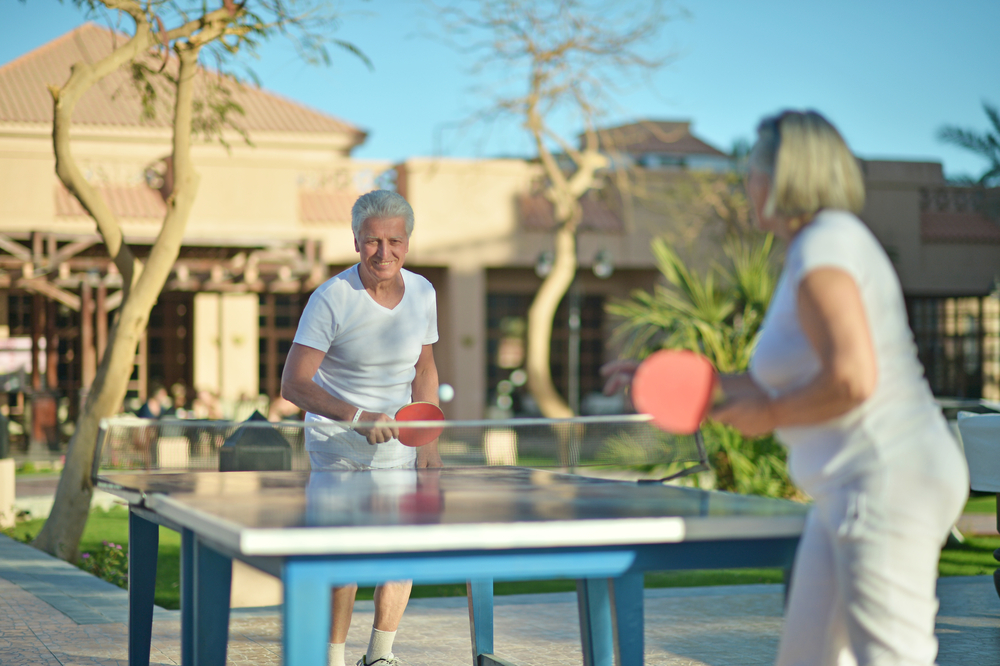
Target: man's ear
(357,248)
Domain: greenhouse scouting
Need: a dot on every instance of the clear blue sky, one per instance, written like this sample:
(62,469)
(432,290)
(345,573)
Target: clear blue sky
(889,74)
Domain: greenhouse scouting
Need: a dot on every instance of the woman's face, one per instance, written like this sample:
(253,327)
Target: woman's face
(758,188)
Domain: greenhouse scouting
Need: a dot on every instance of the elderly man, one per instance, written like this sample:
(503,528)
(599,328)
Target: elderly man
(363,350)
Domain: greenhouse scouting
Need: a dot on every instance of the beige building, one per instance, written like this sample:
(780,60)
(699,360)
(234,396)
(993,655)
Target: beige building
(272,221)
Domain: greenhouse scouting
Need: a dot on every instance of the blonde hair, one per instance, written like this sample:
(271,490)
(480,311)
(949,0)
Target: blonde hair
(809,164)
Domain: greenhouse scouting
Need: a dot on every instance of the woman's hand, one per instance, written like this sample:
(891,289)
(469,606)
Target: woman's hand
(746,406)
(618,374)
(382,431)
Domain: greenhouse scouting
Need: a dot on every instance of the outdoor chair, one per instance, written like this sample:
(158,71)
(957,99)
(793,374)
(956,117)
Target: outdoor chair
(981,440)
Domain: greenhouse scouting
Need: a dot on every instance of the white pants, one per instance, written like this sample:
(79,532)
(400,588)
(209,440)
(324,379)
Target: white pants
(863,585)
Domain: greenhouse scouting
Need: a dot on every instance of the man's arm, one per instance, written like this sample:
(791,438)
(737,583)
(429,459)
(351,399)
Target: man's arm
(298,388)
(425,389)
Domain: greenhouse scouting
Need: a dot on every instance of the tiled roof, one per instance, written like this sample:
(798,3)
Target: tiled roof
(326,207)
(537,214)
(137,202)
(954,227)
(24,97)
(656,136)
(958,214)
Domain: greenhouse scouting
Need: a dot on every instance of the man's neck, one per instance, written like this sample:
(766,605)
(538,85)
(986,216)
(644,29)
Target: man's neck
(387,293)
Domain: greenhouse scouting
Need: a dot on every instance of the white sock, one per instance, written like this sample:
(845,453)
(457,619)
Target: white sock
(337,654)
(379,645)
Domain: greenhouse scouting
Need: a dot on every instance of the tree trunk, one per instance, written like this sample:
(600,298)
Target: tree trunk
(60,536)
(540,317)
(564,194)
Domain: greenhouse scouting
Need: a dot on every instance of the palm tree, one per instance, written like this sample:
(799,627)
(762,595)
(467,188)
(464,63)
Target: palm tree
(986,144)
(717,314)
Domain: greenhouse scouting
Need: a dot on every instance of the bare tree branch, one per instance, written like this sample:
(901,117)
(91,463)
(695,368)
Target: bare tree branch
(557,57)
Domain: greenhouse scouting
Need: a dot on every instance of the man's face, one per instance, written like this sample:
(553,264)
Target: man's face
(382,244)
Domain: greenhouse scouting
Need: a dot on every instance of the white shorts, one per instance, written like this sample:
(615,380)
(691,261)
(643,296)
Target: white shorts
(863,585)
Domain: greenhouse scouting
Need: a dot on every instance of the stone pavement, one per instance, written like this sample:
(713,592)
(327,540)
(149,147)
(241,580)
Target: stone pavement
(51,613)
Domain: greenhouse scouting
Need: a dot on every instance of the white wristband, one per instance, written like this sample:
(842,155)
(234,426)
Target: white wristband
(357,415)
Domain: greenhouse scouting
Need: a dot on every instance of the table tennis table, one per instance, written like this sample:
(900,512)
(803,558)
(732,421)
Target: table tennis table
(456,524)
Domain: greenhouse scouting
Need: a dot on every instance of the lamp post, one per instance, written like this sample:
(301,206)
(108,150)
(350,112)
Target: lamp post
(603,267)
(573,382)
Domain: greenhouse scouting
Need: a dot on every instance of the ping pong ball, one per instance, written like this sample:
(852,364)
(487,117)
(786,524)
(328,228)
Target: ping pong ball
(446,393)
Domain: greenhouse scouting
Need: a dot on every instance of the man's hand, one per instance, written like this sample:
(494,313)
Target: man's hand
(382,431)
(618,374)
(428,456)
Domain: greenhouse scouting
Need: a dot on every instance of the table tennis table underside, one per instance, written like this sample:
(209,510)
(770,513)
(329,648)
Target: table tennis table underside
(609,587)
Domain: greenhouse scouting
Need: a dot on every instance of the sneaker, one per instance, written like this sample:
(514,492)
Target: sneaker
(387,660)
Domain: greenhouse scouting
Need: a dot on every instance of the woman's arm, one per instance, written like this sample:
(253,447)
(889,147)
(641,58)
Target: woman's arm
(425,389)
(832,316)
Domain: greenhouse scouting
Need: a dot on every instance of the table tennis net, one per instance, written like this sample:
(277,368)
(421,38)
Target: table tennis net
(626,446)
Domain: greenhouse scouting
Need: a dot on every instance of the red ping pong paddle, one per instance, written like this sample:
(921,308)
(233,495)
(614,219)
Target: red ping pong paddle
(419,411)
(676,388)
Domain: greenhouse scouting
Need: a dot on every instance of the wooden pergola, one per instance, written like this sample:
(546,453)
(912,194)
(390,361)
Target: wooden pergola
(61,272)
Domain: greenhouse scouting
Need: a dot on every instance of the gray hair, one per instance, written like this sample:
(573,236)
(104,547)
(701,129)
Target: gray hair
(380,205)
(809,165)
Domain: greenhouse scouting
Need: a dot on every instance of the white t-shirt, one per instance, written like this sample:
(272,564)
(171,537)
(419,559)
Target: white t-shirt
(371,356)
(901,415)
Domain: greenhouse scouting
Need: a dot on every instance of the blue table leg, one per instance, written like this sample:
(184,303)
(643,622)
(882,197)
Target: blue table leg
(596,635)
(628,620)
(144,541)
(212,581)
(187,596)
(481,617)
(307,617)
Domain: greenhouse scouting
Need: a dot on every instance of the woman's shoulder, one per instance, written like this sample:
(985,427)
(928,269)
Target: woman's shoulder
(835,222)
(836,238)
(833,231)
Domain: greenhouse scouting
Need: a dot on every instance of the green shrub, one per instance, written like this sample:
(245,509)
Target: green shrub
(109,562)
(717,314)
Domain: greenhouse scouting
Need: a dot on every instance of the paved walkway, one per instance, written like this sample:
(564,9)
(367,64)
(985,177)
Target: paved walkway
(52,613)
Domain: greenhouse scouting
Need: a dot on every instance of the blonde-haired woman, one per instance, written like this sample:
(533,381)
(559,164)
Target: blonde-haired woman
(835,374)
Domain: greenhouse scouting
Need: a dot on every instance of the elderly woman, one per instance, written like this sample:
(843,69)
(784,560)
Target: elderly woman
(362,350)
(836,376)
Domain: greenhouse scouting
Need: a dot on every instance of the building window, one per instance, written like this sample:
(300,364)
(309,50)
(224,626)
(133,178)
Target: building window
(19,314)
(506,349)
(958,343)
(279,317)
(170,343)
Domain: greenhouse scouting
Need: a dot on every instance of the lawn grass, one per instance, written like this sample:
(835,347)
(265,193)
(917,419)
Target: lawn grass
(982,503)
(972,558)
